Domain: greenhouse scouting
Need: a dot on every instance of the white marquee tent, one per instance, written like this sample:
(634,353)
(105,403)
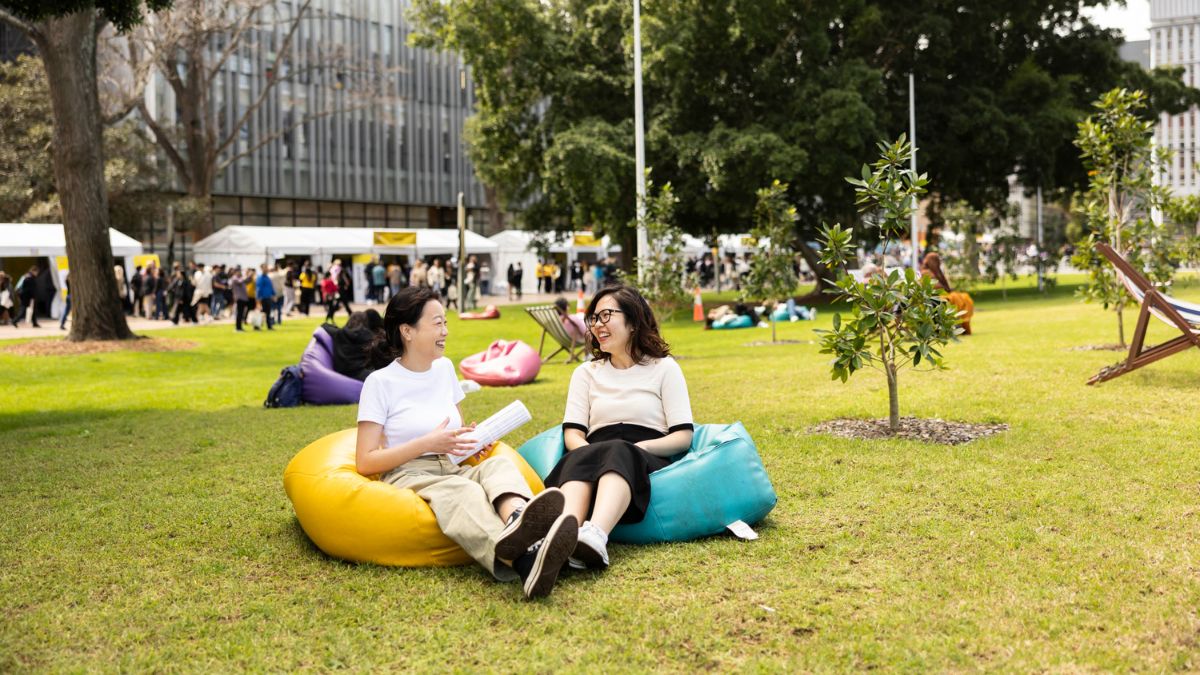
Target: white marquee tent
(47,241)
(514,247)
(254,245)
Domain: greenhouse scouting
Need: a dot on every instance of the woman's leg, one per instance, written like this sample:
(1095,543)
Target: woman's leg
(612,498)
(579,498)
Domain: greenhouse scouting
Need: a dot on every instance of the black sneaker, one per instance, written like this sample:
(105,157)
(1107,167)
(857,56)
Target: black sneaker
(529,523)
(539,566)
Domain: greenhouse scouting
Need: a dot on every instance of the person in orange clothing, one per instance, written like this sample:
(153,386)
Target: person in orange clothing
(931,266)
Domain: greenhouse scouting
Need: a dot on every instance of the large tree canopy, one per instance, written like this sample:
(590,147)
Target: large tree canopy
(741,93)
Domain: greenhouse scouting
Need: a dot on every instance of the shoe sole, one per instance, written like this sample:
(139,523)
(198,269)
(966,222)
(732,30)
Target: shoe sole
(560,542)
(533,524)
(589,556)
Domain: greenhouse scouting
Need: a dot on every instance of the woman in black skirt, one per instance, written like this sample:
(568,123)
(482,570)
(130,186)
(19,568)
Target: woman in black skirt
(628,415)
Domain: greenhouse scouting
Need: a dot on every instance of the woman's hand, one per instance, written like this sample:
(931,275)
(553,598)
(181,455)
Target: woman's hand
(445,441)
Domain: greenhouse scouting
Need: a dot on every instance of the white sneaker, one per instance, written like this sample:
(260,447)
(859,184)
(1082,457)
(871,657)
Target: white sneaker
(591,550)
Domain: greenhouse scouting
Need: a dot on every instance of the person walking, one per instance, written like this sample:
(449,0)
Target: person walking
(7,301)
(278,277)
(264,291)
(202,296)
(485,278)
(62,321)
(135,288)
(395,278)
(329,289)
(162,310)
(308,285)
(436,276)
(345,291)
(379,282)
(470,276)
(122,288)
(220,288)
(291,278)
(241,300)
(419,277)
(182,290)
(27,291)
(518,280)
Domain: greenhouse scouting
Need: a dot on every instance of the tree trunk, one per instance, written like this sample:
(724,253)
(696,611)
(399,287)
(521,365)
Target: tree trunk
(825,280)
(68,47)
(495,214)
(893,400)
(773,326)
(1121,324)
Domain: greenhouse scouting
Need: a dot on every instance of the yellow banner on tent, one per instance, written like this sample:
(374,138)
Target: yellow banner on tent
(749,241)
(61,261)
(362,258)
(395,238)
(586,240)
(146,259)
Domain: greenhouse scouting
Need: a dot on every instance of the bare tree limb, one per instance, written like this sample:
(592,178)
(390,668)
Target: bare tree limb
(164,142)
(20,24)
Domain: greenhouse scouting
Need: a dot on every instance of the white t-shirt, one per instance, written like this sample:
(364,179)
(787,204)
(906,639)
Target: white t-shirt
(408,404)
(652,394)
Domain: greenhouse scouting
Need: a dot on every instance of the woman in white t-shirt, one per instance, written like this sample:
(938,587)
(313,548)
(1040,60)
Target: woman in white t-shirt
(409,423)
(628,415)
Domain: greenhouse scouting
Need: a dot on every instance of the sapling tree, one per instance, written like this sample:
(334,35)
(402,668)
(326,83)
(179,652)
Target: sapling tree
(772,276)
(1117,149)
(665,282)
(898,320)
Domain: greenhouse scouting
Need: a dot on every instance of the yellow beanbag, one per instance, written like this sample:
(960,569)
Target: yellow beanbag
(356,518)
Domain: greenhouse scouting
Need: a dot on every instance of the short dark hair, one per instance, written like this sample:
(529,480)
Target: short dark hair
(645,342)
(404,308)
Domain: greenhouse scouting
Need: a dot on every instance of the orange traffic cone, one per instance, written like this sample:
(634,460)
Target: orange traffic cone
(579,308)
(697,307)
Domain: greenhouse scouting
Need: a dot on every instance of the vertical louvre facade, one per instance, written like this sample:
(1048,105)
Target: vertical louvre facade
(386,146)
(1175,41)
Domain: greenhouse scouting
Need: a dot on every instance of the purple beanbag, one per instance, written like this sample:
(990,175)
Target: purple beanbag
(322,384)
(503,364)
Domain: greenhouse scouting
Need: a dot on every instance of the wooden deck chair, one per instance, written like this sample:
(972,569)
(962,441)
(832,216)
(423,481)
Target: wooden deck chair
(1184,316)
(546,316)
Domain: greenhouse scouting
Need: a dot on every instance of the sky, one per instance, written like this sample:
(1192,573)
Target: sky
(1133,19)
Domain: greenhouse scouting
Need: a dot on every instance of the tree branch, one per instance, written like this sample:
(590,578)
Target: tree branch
(20,24)
(164,142)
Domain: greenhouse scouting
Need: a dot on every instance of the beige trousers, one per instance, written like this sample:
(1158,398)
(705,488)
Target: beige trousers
(463,500)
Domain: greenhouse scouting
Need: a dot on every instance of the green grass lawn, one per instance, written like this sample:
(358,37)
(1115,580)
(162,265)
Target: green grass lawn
(145,524)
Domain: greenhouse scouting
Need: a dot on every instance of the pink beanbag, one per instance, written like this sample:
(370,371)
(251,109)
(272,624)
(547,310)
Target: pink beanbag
(503,364)
(489,312)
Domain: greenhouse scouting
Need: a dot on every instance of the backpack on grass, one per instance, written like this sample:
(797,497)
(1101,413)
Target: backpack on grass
(287,390)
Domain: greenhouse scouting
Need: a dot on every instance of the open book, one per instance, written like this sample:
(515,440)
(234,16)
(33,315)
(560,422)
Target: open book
(510,417)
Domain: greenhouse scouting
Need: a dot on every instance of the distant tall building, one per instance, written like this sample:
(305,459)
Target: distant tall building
(399,162)
(1175,41)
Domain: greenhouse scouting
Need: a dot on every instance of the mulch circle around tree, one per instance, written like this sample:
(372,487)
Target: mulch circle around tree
(911,428)
(68,348)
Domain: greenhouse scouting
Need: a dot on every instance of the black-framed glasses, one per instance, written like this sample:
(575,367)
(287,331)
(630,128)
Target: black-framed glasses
(602,317)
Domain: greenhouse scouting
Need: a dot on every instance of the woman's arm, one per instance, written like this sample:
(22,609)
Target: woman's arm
(573,438)
(370,457)
(669,445)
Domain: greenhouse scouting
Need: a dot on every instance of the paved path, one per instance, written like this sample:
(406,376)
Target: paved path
(49,327)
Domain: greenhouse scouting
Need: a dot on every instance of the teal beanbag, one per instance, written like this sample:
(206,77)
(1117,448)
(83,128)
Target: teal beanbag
(719,480)
(739,321)
(781,313)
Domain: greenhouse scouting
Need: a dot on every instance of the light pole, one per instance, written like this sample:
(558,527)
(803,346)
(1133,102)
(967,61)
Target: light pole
(639,140)
(922,43)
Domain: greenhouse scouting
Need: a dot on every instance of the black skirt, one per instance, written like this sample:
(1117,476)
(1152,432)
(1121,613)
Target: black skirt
(611,449)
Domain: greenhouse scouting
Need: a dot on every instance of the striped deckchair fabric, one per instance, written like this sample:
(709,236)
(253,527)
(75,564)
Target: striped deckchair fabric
(1184,316)
(546,316)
